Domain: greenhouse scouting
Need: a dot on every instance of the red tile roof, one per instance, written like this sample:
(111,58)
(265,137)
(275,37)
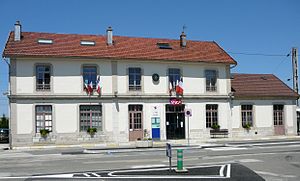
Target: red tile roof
(260,85)
(68,45)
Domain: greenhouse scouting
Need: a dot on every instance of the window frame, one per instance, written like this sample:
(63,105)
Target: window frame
(44,87)
(133,111)
(211,115)
(211,88)
(134,75)
(174,76)
(245,113)
(43,113)
(83,74)
(278,115)
(87,113)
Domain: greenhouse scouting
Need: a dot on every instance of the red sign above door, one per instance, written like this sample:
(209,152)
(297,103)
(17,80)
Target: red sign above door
(175,101)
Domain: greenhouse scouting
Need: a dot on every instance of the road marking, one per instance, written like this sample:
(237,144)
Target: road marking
(274,174)
(226,148)
(221,172)
(148,166)
(249,160)
(228,171)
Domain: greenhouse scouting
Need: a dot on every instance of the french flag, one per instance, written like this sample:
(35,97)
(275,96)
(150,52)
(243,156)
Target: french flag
(90,88)
(179,87)
(98,87)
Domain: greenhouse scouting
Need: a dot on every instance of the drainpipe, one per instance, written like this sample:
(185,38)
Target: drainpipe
(9,97)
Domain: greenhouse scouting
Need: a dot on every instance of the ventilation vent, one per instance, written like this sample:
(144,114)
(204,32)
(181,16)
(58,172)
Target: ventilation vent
(87,43)
(45,41)
(164,46)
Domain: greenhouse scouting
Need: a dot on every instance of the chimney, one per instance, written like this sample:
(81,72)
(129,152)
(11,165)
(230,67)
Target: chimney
(183,40)
(18,30)
(109,36)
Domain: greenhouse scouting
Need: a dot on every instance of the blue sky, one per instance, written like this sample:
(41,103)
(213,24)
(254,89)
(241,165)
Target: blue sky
(248,27)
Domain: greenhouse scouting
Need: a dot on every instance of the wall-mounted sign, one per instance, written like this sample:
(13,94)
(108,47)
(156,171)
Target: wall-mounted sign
(188,112)
(175,101)
(155,111)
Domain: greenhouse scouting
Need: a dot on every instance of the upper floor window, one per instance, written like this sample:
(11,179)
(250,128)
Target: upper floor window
(43,77)
(278,114)
(43,117)
(89,74)
(135,75)
(247,115)
(174,77)
(211,115)
(211,80)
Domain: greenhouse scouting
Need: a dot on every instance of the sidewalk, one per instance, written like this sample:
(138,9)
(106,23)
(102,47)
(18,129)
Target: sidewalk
(157,145)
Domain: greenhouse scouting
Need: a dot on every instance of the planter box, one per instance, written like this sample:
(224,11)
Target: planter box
(144,144)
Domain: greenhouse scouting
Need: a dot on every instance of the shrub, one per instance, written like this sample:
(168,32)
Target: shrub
(215,126)
(91,131)
(44,132)
(247,126)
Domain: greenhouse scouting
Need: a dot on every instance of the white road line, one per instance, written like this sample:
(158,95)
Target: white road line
(275,175)
(226,148)
(148,166)
(228,174)
(249,160)
(95,174)
(85,174)
(221,172)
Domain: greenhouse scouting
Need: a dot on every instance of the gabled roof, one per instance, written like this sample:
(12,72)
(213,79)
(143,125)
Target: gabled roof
(68,45)
(260,85)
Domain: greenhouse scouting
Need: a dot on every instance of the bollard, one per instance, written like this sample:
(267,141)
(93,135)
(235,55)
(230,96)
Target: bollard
(179,159)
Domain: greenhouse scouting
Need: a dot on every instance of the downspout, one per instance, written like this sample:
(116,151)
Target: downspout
(9,98)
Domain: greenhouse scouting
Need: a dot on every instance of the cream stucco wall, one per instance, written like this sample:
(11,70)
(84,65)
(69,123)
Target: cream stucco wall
(66,118)
(25,118)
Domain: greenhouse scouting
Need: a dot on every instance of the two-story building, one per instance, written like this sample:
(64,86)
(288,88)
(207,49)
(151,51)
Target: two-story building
(138,85)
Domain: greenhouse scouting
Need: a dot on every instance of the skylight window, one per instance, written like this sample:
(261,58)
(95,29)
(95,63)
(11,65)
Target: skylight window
(87,43)
(164,46)
(45,41)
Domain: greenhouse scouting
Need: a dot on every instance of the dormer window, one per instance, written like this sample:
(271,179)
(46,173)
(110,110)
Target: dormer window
(45,41)
(87,43)
(162,45)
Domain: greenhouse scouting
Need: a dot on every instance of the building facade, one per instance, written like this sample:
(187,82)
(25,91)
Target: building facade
(131,88)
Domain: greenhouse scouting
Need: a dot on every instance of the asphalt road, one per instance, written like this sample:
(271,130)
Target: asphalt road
(267,160)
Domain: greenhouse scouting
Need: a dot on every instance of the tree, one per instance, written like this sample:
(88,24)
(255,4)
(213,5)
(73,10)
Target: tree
(4,121)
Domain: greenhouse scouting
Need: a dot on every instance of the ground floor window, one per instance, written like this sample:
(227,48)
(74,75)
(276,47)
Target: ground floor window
(278,114)
(247,115)
(43,117)
(90,116)
(211,115)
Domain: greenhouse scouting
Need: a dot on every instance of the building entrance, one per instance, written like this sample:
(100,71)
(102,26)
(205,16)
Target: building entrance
(175,121)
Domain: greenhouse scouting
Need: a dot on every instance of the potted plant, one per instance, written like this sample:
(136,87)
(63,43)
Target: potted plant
(91,131)
(146,142)
(215,127)
(44,133)
(247,126)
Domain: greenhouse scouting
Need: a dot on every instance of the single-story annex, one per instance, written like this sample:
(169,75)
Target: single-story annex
(131,88)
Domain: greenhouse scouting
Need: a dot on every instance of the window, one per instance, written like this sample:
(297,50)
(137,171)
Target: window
(135,116)
(43,77)
(164,45)
(174,76)
(211,115)
(90,75)
(45,41)
(278,114)
(135,79)
(247,115)
(87,43)
(211,80)
(90,116)
(43,117)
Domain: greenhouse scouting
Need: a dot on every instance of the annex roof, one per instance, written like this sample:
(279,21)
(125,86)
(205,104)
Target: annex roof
(260,85)
(69,45)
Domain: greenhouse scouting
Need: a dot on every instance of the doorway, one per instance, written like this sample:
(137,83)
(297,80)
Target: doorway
(279,128)
(135,113)
(175,121)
